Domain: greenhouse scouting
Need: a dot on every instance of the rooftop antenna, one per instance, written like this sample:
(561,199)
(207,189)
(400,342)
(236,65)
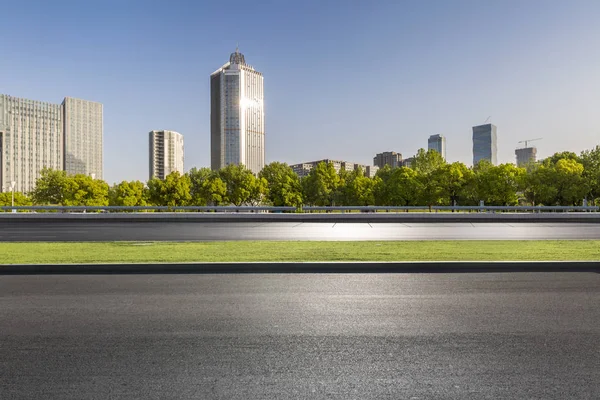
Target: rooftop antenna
(488,118)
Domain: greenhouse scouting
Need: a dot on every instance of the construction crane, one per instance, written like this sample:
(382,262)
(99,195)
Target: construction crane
(529,140)
(488,118)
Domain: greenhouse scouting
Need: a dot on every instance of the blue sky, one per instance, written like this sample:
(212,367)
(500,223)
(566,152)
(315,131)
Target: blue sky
(343,79)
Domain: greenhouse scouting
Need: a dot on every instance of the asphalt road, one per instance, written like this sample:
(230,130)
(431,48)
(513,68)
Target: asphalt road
(370,336)
(205,231)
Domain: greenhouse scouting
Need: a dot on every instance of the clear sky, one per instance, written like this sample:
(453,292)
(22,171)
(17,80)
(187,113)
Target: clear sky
(343,79)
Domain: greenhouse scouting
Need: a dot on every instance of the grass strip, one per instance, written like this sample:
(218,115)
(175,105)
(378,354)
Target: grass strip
(133,252)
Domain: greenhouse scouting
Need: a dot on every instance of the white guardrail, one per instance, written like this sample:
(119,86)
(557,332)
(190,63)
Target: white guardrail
(306,209)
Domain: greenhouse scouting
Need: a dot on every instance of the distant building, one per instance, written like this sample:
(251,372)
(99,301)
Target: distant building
(408,162)
(303,169)
(237,116)
(166,153)
(35,135)
(526,155)
(437,143)
(371,171)
(390,158)
(484,144)
(82,137)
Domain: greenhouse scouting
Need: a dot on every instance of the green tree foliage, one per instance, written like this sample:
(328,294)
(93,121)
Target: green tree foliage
(50,188)
(207,188)
(20,199)
(243,187)
(498,185)
(406,189)
(356,189)
(283,185)
(381,186)
(321,185)
(454,180)
(569,182)
(427,162)
(129,194)
(173,191)
(590,159)
(83,190)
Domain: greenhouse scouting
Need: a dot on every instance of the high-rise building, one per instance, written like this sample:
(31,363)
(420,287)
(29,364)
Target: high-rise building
(82,137)
(484,144)
(31,139)
(390,158)
(437,143)
(166,153)
(526,155)
(237,116)
(371,170)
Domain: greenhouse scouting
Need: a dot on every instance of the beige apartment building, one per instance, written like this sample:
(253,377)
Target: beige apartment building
(166,153)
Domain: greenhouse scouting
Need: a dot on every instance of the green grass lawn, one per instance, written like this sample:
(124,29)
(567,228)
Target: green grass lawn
(117,252)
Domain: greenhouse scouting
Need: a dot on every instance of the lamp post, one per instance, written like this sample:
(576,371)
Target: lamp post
(12,191)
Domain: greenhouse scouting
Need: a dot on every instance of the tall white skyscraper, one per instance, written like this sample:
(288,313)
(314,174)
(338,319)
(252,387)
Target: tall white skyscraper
(82,137)
(166,153)
(437,143)
(31,139)
(237,116)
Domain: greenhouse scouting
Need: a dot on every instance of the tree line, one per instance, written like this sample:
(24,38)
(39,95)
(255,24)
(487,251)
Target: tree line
(563,179)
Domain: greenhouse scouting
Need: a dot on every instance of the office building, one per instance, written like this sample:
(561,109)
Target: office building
(484,144)
(303,169)
(82,137)
(166,153)
(31,139)
(437,143)
(390,158)
(526,155)
(237,116)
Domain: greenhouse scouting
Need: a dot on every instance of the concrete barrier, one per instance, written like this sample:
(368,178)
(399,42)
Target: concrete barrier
(305,217)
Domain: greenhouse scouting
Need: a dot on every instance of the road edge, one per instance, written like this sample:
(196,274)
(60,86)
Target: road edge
(301,268)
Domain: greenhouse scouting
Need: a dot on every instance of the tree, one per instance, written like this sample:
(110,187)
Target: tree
(538,187)
(50,187)
(173,191)
(320,186)
(206,187)
(20,199)
(404,187)
(128,194)
(498,184)
(426,162)
(569,182)
(83,190)
(454,181)
(357,189)
(381,186)
(243,187)
(283,185)
(590,159)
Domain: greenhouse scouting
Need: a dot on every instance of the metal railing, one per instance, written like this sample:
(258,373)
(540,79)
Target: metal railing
(304,209)
(218,209)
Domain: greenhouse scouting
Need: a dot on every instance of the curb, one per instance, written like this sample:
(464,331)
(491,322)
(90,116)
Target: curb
(300,268)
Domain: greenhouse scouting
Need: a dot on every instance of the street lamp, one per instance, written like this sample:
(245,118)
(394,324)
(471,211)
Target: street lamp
(12,190)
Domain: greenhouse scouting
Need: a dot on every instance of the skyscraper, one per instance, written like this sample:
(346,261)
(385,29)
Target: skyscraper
(82,137)
(525,155)
(390,158)
(166,153)
(437,143)
(484,144)
(237,116)
(31,138)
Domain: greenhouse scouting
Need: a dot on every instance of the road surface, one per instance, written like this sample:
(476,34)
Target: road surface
(204,231)
(313,336)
